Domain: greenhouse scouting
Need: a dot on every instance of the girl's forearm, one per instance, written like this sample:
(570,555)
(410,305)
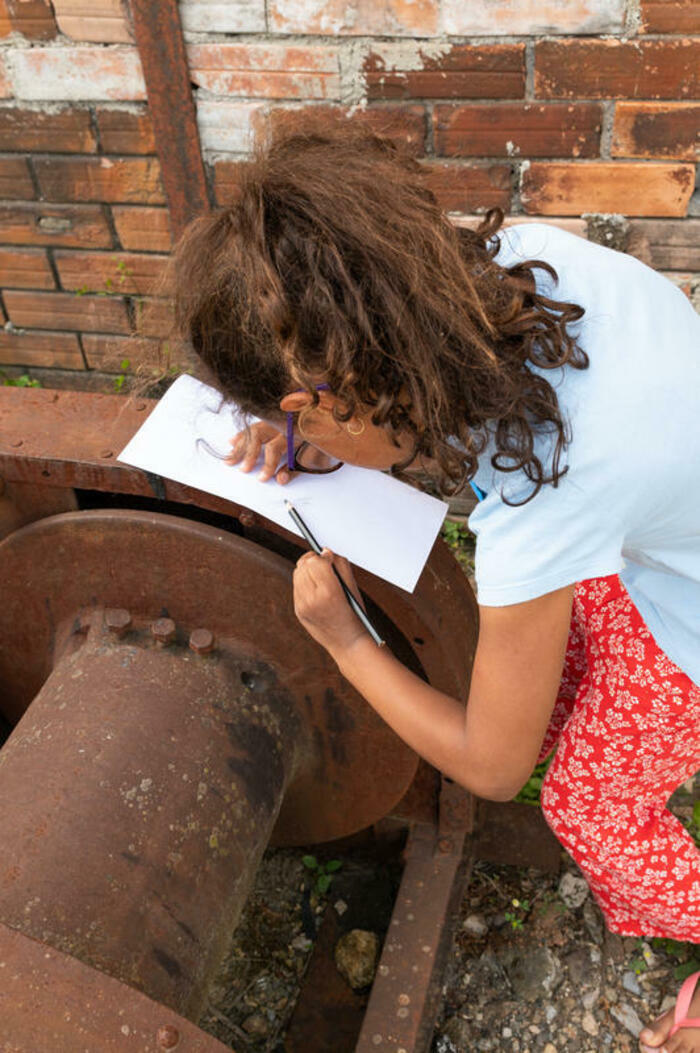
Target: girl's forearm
(430,722)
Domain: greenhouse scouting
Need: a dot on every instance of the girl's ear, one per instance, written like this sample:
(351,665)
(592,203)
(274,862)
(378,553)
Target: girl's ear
(297,400)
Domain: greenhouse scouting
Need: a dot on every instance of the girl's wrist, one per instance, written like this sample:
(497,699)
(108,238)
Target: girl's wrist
(353,654)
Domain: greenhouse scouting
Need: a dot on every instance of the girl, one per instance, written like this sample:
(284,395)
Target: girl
(560,379)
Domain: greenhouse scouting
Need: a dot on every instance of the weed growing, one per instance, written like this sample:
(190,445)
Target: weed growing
(321,873)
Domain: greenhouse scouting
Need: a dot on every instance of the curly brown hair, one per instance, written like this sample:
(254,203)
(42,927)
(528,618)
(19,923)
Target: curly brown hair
(336,262)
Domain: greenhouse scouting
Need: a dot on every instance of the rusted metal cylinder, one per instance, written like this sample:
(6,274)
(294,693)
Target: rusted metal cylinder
(139,791)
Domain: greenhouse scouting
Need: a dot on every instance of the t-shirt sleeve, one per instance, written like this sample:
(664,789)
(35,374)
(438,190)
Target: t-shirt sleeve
(561,536)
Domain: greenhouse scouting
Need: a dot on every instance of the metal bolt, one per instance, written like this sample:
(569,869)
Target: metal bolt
(167,1037)
(445,845)
(163,631)
(117,620)
(246,518)
(201,641)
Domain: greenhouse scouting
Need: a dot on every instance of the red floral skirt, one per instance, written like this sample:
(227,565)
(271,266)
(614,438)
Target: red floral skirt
(627,730)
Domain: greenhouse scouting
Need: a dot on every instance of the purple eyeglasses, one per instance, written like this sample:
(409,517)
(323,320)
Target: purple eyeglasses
(294,464)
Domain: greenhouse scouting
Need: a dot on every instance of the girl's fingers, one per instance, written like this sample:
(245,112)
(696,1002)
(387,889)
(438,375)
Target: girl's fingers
(246,445)
(304,559)
(344,568)
(238,445)
(251,454)
(272,452)
(315,569)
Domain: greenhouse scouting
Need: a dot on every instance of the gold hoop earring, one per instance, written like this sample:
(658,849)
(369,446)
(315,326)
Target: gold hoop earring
(356,431)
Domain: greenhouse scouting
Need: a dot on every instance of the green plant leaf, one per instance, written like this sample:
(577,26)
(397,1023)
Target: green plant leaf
(333,865)
(22,381)
(323,882)
(683,971)
(310,862)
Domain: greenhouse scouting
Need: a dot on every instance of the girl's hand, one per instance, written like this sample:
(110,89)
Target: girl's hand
(246,447)
(320,604)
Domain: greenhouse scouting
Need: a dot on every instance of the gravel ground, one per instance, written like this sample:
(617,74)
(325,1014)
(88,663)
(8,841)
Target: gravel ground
(534,969)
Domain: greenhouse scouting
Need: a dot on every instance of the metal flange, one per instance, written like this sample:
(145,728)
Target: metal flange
(354,769)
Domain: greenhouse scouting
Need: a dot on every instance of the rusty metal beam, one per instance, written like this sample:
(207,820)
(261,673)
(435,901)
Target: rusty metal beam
(401,1011)
(161,47)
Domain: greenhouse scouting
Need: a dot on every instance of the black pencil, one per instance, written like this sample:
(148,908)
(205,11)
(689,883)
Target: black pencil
(348,594)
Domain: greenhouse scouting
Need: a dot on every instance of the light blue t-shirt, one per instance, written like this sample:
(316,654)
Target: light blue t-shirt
(630,501)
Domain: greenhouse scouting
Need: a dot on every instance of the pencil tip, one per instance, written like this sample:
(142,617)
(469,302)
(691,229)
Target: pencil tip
(287,503)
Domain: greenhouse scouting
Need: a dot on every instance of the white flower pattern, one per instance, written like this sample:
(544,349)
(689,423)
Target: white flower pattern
(627,730)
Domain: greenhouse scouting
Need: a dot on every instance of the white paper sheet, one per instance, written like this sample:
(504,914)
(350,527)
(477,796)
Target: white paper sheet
(374,520)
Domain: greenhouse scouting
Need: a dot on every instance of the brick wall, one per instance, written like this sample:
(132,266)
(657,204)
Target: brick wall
(585,112)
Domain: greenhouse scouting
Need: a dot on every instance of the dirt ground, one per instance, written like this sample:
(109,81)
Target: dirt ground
(533,967)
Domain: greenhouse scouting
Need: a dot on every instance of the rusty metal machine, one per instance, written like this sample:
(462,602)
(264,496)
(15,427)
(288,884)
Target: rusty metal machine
(167,719)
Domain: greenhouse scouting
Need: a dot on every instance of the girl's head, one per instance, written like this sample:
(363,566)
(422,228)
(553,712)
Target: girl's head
(336,265)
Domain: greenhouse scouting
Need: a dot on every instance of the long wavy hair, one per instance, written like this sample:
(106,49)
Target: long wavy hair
(335,262)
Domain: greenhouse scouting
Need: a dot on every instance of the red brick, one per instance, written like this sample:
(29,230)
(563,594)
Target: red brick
(145,357)
(673,244)
(25,269)
(102,21)
(46,310)
(143,228)
(5,23)
(60,350)
(107,353)
(651,69)
(470,188)
(83,72)
(123,132)
(94,271)
(670,16)
(496,71)
(135,180)
(15,180)
(270,70)
(527,129)
(154,317)
(67,131)
(648,188)
(68,225)
(402,124)
(32,18)
(479,18)
(6,89)
(225,177)
(657,129)
(573,226)
(351,17)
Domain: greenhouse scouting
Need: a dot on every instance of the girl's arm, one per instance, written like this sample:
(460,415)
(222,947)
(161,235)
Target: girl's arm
(491,747)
